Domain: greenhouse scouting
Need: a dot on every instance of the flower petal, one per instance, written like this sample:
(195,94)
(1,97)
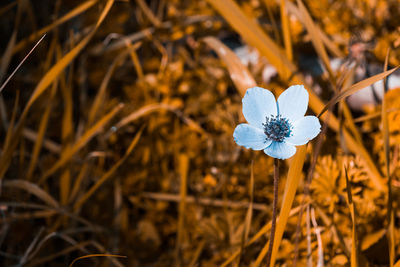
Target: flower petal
(293,102)
(250,137)
(304,130)
(280,150)
(258,103)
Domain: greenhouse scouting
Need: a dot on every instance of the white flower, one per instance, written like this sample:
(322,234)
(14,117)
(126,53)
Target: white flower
(276,126)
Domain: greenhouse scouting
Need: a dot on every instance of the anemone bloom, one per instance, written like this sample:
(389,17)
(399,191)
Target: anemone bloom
(276,126)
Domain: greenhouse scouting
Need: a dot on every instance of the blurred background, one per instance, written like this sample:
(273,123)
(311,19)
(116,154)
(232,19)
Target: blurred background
(116,132)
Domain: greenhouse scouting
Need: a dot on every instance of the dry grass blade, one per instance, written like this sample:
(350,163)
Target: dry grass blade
(8,7)
(147,11)
(255,36)
(24,258)
(95,255)
(59,210)
(83,140)
(98,101)
(292,9)
(5,61)
(286,30)
(10,129)
(135,59)
(249,215)
(109,173)
(20,64)
(197,254)
(292,181)
(386,149)
(94,110)
(78,181)
(320,262)
(73,13)
(41,133)
(334,230)
(374,115)
(354,238)
(356,87)
(32,189)
(143,111)
(29,216)
(315,37)
(210,202)
(41,261)
(50,145)
(308,229)
(240,75)
(349,122)
(183,171)
(67,132)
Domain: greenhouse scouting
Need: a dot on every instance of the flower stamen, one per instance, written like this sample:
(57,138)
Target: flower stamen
(277,128)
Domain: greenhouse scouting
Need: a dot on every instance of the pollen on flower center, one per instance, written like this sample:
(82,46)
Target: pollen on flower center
(277,128)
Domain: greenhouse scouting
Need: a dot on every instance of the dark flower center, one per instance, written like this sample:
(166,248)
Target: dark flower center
(277,128)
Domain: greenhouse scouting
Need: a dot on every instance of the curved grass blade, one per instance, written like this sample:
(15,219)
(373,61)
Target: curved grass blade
(240,75)
(32,189)
(356,87)
(315,37)
(143,111)
(253,34)
(109,173)
(85,138)
(96,255)
(94,109)
(5,61)
(41,133)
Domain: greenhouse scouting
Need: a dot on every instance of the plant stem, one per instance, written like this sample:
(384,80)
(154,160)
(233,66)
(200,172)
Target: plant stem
(274,204)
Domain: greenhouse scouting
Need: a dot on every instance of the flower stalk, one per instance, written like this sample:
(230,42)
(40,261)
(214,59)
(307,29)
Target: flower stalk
(274,208)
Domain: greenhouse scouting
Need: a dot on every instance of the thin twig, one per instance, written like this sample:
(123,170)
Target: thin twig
(20,64)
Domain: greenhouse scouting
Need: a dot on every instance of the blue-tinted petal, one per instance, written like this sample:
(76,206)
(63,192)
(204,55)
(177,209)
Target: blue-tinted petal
(293,102)
(250,137)
(280,150)
(304,130)
(258,103)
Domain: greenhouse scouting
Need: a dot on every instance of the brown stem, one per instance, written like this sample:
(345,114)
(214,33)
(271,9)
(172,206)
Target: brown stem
(274,204)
